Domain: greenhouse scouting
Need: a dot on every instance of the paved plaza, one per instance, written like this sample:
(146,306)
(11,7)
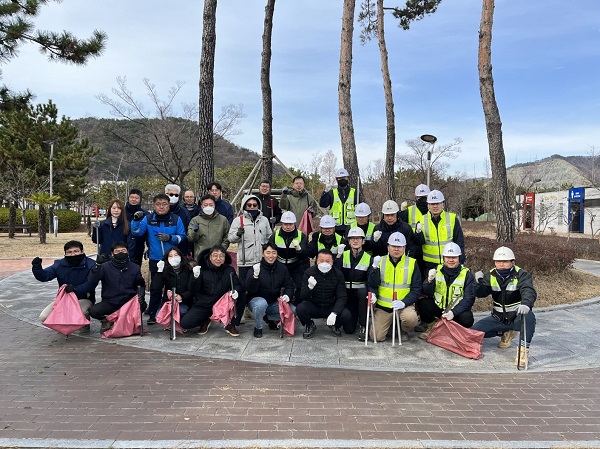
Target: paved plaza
(219,391)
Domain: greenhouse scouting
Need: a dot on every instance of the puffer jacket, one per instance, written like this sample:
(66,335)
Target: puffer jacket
(256,233)
(212,230)
(271,280)
(330,290)
(215,281)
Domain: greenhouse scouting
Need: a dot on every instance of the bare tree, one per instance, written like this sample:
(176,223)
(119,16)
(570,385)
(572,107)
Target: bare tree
(328,165)
(416,159)
(265,85)
(505,230)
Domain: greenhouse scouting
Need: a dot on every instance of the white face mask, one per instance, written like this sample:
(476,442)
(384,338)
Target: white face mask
(324,267)
(173,199)
(175,261)
(208,210)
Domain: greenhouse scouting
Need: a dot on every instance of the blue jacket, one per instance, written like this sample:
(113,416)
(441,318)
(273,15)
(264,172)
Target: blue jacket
(64,273)
(118,285)
(225,209)
(107,235)
(150,227)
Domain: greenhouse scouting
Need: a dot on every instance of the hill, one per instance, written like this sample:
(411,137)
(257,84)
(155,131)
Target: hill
(552,173)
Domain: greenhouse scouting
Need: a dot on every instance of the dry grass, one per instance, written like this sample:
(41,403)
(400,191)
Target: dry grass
(30,247)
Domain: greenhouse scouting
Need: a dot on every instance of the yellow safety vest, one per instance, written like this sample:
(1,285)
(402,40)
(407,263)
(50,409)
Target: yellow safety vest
(436,237)
(414,216)
(362,265)
(447,296)
(512,298)
(394,279)
(343,213)
(334,249)
(280,243)
(369,232)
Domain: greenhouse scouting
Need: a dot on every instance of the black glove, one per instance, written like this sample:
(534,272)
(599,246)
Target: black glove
(69,288)
(285,190)
(37,262)
(164,237)
(273,220)
(196,227)
(141,295)
(138,215)
(240,232)
(101,258)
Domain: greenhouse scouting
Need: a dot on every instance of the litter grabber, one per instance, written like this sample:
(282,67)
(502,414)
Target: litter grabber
(370,316)
(235,300)
(141,297)
(522,349)
(242,243)
(272,204)
(396,325)
(97,231)
(173,330)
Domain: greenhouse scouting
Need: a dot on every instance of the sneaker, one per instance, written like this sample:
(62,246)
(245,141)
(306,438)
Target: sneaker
(362,333)
(151,320)
(506,339)
(423,335)
(105,325)
(421,327)
(204,327)
(404,336)
(521,359)
(310,330)
(257,332)
(231,330)
(335,331)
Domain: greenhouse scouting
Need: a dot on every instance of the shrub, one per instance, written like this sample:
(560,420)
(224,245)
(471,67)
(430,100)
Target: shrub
(68,220)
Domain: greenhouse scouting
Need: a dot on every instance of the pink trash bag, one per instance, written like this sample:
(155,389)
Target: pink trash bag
(127,320)
(223,310)
(452,336)
(306,225)
(164,315)
(66,316)
(288,319)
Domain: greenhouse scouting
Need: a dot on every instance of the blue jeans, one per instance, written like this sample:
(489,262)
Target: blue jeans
(494,328)
(259,307)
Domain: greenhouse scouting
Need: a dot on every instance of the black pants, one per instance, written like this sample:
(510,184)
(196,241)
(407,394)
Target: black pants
(307,310)
(155,294)
(357,305)
(242,273)
(297,273)
(240,306)
(429,311)
(197,315)
(102,309)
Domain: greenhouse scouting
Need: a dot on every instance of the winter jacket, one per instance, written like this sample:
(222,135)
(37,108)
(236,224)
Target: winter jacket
(193,210)
(415,284)
(135,244)
(457,236)
(468,293)
(355,269)
(286,253)
(380,247)
(271,280)
(319,241)
(64,273)
(215,281)
(225,209)
(118,285)
(266,207)
(153,224)
(212,230)
(183,281)
(107,234)
(256,233)
(329,292)
(297,203)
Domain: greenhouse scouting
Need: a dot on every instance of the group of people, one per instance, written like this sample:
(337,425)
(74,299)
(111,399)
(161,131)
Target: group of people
(410,264)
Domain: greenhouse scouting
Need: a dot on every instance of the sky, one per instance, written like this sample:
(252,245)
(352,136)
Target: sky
(545,56)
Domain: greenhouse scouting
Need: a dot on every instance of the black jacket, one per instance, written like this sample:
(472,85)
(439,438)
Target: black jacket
(107,234)
(265,201)
(134,243)
(379,248)
(215,281)
(271,280)
(64,273)
(184,283)
(118,285)
(330,290)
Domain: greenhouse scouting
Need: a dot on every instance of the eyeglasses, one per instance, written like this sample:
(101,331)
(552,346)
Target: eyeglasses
(218,255)
(251,205)
(173,194)
(161,204)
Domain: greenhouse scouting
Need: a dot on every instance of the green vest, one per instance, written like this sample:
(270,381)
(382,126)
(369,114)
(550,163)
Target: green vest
(436,237)
(414,216)
(447,296)
(512,298)
(343,213)
(338,240)
(394,279)
(369,232)
(362,265)
(280,243)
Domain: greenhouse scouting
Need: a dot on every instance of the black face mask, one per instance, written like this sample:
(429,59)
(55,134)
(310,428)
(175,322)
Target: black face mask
(421,204)
(120,260)
(75,260)
(253,213)
(342,182)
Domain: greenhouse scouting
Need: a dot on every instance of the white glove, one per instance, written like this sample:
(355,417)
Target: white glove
(432,274)
(311,282)
(404,205)
(376,261)
(196,271)
(256,268)
(285,298)
(331,319)
(419,227)
(376,236)
(341,248)
(398,305)
(373,298)
(523,310)
(160,265)
(478,275)
(449,315)
(234,294)
(296,245)
(328,187)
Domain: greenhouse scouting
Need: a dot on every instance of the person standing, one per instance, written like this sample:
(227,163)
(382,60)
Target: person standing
(269,204)
(173,191)
(114,229)
(413,215)
(391,223)
(363,221)
(342,201)
(297,200)
(208,228)
(222,206)
(135,244)
(189,202)
(326,238)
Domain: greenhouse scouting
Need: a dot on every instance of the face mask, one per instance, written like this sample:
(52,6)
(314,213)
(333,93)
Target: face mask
(253,213)
(504,272)
(342,183)
(208,210)
(74,260)
(324,267)
(175,261)
(121,256)
(173,199)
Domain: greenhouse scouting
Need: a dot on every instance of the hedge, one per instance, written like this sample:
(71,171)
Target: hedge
(68,220)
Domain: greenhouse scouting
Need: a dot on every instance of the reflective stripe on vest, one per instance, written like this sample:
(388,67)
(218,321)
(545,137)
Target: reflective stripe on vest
(280,243)
(362,265)
(456,289)
(334,249)
(436,237)
(511,287)
(414,216)
(369,232)
(343,213)
(394,279)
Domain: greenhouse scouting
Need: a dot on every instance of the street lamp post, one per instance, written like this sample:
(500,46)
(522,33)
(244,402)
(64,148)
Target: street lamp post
(431,140)
(51,209)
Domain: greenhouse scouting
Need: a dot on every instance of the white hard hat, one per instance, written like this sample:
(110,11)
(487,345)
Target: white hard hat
(327,221)
(362,210)
(390,207)
(356,232)
(422,190)
(504,253)
(451,250)
(288,217)
(341,173)
(397,239)
(435,196)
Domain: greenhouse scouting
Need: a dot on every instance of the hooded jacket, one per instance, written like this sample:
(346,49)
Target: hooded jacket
(256,233)
(215,281)
(212,230)
(271,280)
(297,202)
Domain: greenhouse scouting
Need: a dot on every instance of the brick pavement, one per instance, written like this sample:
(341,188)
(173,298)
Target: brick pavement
(89,393)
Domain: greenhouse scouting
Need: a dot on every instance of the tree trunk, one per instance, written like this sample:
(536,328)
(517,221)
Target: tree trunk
(390,150)
(345,104)
(42,223)
(265,85)
(505,231)
(206,168)
(12,219)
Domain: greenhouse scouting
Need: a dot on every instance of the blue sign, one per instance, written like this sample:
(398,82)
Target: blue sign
(577,194)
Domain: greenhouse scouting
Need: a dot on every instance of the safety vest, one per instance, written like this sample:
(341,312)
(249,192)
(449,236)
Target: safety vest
(414,216)
(369,232)
(343,213)
(280,243)
(436,237)
(447,296)
(334,248)
(394,279)
(362,267)
(510,300)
